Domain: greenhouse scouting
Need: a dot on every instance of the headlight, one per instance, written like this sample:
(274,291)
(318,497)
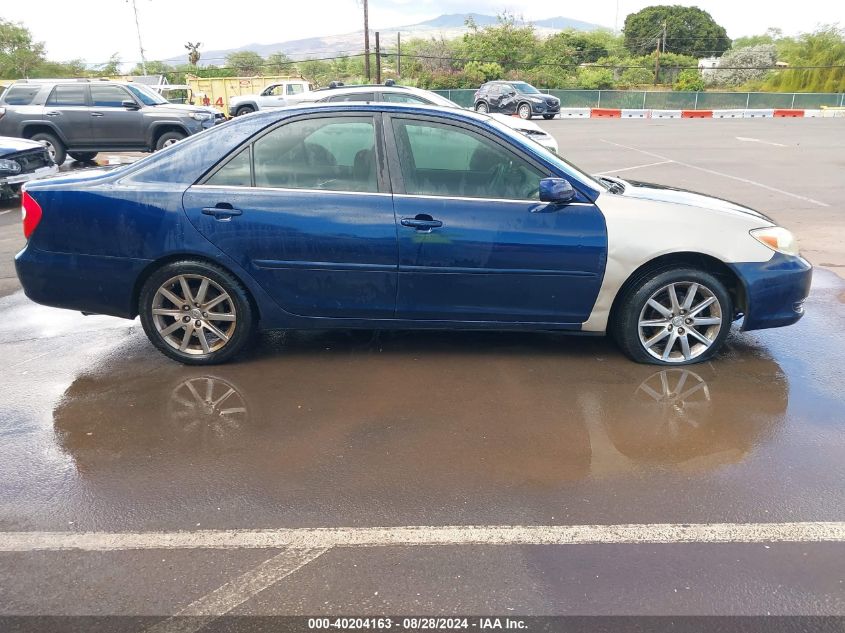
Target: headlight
(777,238)
(535,99)
(201,116)
(11,166)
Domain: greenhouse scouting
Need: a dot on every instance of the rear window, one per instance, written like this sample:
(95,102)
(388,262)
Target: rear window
(20,94)
(67,95)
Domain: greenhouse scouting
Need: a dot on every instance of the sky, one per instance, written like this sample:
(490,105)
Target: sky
(95,29)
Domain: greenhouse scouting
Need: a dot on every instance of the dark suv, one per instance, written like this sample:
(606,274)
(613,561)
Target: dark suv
(81,117)
(515,97)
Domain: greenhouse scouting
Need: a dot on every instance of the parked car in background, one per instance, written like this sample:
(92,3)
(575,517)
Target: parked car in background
(515,97)
(276,95)
(390,92)
(81,117)
(21,161)
(399,216)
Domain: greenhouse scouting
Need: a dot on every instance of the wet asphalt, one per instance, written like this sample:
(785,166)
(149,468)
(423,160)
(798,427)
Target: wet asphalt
(100,433)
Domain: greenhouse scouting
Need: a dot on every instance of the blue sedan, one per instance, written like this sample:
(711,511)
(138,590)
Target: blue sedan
(398,216)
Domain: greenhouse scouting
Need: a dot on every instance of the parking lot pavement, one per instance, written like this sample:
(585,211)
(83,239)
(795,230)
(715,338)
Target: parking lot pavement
(496,467)
(790,169)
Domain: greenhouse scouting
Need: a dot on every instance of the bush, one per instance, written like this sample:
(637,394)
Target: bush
(595,78)
(479,72)
(689,80)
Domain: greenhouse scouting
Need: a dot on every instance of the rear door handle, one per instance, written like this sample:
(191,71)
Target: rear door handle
(421,223)
(97,114)
(222,211)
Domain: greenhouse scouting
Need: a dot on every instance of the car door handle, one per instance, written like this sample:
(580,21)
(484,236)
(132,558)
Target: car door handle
(422,222)
(52,113)
(97,114)
(222,211)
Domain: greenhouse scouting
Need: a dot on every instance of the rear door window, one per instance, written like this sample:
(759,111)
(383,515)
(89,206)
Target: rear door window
(67,95)
(397,97)
(20,94)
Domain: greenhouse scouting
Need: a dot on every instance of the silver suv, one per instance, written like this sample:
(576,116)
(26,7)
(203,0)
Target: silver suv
(81,117)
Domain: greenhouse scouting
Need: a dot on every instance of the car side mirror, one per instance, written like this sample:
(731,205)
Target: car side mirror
(129,104)
(556,190)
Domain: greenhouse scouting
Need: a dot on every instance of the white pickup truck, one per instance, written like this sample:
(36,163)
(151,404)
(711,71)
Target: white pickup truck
(275,95)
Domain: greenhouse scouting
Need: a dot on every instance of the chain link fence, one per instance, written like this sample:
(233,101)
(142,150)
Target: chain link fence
(666,100)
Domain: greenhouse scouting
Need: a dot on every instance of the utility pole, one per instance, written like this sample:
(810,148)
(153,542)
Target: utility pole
(140,45)
(398,54)
(378,60)
(657,62)
(664,36)
(366,39)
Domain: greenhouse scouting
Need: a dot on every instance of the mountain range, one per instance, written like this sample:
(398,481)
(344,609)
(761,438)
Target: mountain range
(449,25)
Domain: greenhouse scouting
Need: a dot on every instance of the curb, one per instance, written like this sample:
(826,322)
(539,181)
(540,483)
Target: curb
(748,113)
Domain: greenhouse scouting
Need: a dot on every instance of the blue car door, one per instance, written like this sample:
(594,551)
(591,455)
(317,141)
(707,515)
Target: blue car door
(475,243)
(306,209)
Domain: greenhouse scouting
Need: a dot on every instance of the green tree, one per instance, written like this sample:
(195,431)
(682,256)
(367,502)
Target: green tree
(822,57)
(245,63)
(279,64)
(19,54)
(689,31)
(579,47)
(510,44)
(153,68)
(111,68)
(689,79)
(480,72)
(591,78)
(72,68)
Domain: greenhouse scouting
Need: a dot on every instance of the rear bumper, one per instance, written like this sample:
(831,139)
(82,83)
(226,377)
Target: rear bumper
(101,285)
(775,290)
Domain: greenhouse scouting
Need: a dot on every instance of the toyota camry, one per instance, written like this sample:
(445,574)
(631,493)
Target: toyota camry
(399,216)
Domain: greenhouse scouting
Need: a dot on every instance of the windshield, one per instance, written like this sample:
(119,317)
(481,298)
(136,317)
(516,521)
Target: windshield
(148,96)
(550,156)
(525,88)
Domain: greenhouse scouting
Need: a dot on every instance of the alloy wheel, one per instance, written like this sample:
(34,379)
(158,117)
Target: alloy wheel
(524,111)
(679,322)
(194,314)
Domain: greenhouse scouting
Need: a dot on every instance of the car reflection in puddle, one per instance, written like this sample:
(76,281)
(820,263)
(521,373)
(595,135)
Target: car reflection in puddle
(457,413)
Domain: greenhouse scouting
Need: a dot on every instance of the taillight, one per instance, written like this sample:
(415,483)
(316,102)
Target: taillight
(31,212)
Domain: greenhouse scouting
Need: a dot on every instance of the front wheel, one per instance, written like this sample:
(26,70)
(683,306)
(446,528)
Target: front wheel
(196,313)
(524,111)
(673,317)
(244,110)
(169,138)
(548,117)
(481,107)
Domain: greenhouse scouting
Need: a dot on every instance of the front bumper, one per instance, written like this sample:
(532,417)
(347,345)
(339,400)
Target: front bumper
(774,290)
(545,108)
(18,179)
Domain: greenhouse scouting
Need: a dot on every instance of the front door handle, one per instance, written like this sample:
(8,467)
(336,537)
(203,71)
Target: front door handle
(222,211)
(53,113)
(97,114)
(422,222)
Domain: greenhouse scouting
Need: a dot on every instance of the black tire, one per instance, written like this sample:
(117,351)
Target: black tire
(624,326)
(244,109)
(482,107)
(242,328)
(168,138)
(548,117)
(54,145)
(521,110)
(83,157)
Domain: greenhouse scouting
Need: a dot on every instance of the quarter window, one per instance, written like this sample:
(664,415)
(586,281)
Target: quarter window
(331,153)
(108,96)
(67,95)
(444,160)
(20,94)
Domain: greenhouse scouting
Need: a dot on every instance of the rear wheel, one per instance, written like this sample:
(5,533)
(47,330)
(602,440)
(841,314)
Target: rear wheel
(244,109)
(169,138)
(196,313)
(524,111)
(481,107)
(673,317)
(54,146)
(83,157)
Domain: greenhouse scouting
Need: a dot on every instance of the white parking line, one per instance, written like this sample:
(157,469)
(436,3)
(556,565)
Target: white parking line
(719,173)
(747,139)
(616,171)
(7,211)
(317,538)
(235,592)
